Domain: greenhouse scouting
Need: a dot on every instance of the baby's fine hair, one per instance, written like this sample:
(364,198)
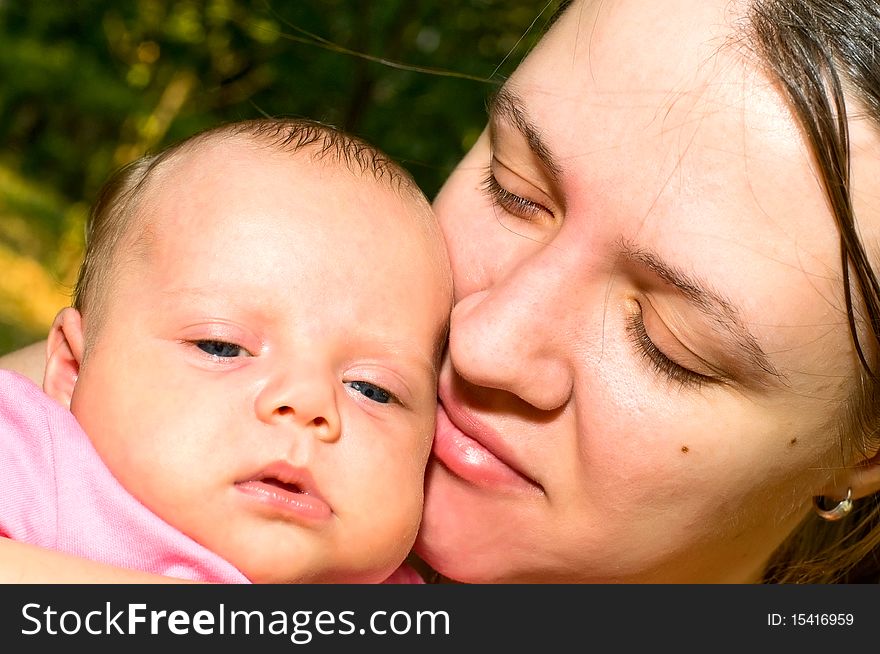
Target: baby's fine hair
(117,206)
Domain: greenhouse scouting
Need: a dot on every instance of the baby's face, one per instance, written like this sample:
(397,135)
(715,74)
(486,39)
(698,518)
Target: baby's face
(265,376)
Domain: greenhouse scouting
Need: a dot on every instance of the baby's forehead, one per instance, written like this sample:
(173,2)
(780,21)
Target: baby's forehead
(232,154)
(216,203)
(214,155)
(229,167)
(238,184)
(333,153)
(219,166)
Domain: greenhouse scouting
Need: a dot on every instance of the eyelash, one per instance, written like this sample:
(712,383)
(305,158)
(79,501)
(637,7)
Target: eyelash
(391,398)
(215,341)
(510,202)
(659,361)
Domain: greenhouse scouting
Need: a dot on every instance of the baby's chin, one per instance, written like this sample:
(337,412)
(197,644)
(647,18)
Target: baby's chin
(348,551)
(321,576)
(321,568)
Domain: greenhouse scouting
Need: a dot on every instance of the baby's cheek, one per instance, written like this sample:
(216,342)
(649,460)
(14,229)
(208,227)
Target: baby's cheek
(402,496)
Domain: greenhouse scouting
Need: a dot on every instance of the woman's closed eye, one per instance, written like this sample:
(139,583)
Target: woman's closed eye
(373,392)
(659,361)
(511,202)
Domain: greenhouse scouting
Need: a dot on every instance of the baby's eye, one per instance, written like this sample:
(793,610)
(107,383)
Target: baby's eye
(372,392)
(221,349)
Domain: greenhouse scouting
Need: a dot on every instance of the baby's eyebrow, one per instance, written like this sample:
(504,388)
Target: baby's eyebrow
(709,302)
(507,105)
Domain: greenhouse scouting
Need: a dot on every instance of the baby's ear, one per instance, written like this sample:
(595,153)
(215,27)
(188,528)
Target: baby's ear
(64,350)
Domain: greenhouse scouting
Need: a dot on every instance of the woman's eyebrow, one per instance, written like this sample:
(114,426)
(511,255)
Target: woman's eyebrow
(508,106)
(712,304)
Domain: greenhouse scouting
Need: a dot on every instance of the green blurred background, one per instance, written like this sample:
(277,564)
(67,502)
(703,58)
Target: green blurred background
(86,86)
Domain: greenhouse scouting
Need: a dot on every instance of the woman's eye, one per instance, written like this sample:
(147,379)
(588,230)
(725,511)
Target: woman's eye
(511,202)
(658,360)
(372,392)
(221,349)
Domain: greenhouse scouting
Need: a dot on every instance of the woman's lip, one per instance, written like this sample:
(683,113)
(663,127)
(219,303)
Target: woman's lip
(302,504)
(468,455)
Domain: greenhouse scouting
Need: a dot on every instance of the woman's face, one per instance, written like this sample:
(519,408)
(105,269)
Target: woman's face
(650,345)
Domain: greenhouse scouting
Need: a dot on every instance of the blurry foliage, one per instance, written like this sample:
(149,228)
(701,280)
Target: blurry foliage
(89,85)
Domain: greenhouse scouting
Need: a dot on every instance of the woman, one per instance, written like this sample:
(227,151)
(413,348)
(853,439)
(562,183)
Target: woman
(659,369)
(652,369)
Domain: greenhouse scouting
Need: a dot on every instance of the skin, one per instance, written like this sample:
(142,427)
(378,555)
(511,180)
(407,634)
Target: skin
(294,265)
(567,450)
(563,452)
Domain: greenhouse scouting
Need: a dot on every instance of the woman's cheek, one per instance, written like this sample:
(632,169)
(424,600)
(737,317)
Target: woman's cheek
(459,229)
(461,208)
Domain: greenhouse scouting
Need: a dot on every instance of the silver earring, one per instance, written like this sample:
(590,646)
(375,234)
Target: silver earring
(841,510)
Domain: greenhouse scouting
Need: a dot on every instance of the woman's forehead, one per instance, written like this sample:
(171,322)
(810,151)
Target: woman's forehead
(675,95)
(633,37)
(699,131)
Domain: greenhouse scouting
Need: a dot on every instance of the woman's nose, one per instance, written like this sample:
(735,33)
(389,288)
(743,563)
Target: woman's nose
(303,399)
(513,337)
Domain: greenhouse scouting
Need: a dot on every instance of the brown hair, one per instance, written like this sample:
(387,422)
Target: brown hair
(824,52)
(114,212)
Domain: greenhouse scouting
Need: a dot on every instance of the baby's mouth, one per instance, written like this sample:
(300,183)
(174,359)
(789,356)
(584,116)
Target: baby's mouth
(285,479)
(287,492)
(282,485)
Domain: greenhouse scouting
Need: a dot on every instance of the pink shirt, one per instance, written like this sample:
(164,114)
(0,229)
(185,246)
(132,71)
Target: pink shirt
(56,492)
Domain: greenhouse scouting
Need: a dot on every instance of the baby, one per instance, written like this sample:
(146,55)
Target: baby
(252,352)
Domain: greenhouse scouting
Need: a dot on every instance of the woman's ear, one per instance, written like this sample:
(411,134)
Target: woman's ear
(864,479)
(64,352)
